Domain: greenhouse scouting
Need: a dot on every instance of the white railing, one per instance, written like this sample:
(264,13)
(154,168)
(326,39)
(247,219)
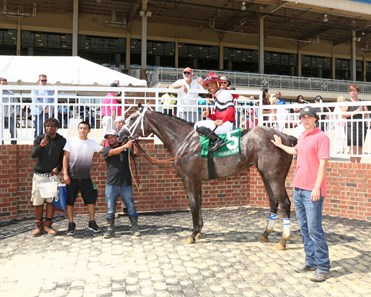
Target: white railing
(74,104)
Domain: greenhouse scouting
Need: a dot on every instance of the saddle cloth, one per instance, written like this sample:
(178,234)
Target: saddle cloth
(232,144)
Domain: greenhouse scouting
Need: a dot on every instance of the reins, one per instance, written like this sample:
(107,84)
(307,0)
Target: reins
(164,162)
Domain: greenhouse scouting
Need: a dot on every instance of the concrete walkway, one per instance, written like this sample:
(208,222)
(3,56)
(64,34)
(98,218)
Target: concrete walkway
(228,261)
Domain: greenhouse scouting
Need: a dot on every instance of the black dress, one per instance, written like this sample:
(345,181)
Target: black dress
(356,128)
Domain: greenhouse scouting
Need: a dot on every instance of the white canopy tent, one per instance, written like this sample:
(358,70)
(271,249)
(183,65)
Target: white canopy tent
(62,70)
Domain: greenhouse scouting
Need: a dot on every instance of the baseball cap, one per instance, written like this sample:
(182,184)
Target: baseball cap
(120,119)
(188,69)
(308,110)
(110,132)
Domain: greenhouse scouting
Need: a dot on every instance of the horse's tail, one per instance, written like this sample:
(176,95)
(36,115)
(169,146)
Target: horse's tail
(293,140)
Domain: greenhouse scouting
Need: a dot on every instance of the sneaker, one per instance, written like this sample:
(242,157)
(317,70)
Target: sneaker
(319,277)
(109,232)
(93,226)
(304,268)
(135,230)
(71,229)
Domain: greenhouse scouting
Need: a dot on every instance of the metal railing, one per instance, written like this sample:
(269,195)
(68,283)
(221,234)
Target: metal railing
(256,80)
(74,104)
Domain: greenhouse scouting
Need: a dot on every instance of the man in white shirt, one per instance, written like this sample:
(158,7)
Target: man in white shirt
(187,102)
(77,164)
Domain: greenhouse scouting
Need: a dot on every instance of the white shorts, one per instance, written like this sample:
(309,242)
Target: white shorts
(36,198)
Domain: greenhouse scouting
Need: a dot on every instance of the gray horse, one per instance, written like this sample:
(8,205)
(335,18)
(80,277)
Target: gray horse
(183,142)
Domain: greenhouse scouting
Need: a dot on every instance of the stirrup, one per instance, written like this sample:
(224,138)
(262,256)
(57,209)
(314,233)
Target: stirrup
(215,145)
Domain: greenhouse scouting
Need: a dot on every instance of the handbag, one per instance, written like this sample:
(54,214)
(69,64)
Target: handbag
(60,201)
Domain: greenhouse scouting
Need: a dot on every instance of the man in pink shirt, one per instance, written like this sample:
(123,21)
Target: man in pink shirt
(313,153)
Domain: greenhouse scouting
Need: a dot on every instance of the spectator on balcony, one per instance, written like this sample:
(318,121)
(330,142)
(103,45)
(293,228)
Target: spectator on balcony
(10,112)
(168,102)
(356,125)
(110,109)
(42,104)
(278,115)
(324,113)
(187,102)
(47,151)
(339,126)
(280,100)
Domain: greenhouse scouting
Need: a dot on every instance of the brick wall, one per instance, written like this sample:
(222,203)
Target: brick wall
(162,190)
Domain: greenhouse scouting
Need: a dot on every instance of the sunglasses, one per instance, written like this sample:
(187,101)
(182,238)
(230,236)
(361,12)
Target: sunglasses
(186,73)
(43,80)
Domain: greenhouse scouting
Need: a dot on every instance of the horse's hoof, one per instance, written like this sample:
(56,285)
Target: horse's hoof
(263,238)
(198,236)
(190,240)
(281,246)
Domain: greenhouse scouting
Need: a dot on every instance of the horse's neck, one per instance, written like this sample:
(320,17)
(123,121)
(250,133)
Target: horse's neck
(170,131)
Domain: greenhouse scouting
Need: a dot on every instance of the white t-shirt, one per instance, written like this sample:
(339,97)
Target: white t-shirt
(81,156)
(188,101)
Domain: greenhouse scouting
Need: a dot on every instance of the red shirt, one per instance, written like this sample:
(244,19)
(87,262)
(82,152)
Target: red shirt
(224,107)
(311,148)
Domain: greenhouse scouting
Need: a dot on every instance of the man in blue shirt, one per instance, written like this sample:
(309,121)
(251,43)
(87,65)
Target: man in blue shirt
(42,105)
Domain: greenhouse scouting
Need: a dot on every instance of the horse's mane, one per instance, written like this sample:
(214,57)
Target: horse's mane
(176,119)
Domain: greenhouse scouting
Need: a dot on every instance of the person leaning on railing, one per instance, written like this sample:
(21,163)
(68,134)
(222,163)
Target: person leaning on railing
(356,126)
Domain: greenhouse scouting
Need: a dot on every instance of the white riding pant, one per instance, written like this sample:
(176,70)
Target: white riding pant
(223,129)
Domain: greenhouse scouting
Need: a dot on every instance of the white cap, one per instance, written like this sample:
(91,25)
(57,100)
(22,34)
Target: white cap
(110,132)
(120,119)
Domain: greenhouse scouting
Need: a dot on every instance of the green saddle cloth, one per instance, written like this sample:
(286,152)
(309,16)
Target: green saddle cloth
(232,144)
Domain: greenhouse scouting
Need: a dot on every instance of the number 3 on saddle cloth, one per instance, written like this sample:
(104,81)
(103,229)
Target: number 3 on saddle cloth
(232,145)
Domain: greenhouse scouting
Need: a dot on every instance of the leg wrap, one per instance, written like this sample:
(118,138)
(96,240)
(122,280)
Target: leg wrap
(286,228)
(271,221)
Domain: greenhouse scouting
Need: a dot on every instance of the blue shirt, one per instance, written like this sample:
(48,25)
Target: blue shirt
(40,103)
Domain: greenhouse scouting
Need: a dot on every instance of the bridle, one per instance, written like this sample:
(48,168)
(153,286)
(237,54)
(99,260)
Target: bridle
(140,119)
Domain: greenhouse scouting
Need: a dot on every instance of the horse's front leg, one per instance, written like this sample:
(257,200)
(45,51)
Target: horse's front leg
(194,194)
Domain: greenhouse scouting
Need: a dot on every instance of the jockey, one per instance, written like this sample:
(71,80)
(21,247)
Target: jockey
(221,120)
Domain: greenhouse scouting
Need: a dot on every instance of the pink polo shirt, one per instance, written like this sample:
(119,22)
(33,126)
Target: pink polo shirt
(311,148)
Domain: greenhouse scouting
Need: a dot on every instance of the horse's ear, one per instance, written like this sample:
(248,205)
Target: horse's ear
(140,105)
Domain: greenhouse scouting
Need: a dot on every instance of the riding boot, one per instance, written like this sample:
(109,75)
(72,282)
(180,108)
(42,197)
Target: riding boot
(110,229)
(48,227)
(39,228)
(134,226)
(215,141)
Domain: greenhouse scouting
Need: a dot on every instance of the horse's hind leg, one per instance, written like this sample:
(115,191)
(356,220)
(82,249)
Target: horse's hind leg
(286,208)
(271,221)
(273,206)
(277,195)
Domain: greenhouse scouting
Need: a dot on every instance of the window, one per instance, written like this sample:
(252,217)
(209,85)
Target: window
(8,42)
(198,56)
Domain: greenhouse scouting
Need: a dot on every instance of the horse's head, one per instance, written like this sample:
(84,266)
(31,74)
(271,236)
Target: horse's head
(136,125)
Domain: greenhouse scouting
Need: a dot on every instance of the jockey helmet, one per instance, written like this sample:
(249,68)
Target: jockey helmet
(212,77)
